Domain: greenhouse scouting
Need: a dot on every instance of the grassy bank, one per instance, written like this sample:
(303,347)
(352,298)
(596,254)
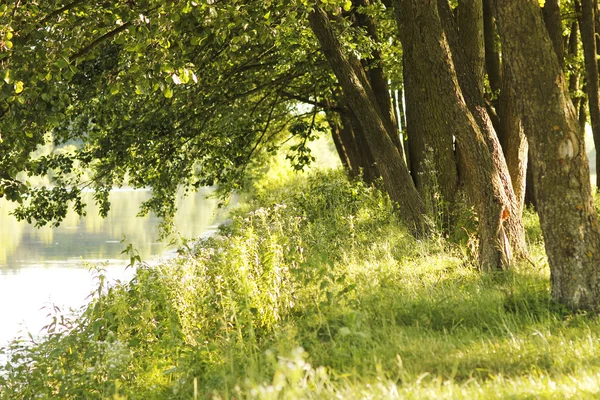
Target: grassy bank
(316,291)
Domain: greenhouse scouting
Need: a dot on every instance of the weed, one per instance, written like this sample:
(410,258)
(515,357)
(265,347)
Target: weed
(315,290)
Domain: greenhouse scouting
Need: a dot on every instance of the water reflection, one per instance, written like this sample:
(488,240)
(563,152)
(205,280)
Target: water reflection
(95,238)
(46,266)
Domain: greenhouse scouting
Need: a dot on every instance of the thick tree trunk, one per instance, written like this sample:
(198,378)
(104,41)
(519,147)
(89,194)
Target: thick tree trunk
(359,96)
(470,31)
(376,76)
(588,40)
(422,33)
(433,164)
(551,12)
(513,226)
(564,201)
(513,141)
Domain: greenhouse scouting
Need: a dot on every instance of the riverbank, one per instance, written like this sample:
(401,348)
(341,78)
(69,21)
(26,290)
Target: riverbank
(315,290)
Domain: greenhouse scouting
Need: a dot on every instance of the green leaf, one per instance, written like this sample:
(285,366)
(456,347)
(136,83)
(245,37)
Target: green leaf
(168,93)
(19,86)
(61,63)
(114,89)
(8,76)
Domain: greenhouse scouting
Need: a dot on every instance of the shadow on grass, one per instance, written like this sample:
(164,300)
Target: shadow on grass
(458,325)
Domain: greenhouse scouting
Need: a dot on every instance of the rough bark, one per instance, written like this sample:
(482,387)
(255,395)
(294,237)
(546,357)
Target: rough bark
(597,27)
(421,32)
(352,132)
(513,141)
(513,226)
(564,197)
(359,97)
(588,40)
(430,143)
(551,13)
(470,31)
(376,76)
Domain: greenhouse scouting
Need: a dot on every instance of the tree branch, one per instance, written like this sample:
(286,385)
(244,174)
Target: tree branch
(99,40)
(60,10)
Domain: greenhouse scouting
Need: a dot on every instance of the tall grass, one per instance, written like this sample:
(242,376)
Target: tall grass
(315,290)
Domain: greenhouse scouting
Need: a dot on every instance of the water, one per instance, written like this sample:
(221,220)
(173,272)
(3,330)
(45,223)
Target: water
(47,267)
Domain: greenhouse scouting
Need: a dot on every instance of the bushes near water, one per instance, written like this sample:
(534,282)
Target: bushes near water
(315,290)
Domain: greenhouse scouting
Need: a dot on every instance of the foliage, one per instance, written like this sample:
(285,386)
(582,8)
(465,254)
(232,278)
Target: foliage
(316,291)
(153,94)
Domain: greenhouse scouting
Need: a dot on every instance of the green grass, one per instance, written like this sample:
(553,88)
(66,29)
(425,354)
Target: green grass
(317,291)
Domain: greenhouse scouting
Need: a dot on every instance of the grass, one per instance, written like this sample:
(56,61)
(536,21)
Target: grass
(317,291)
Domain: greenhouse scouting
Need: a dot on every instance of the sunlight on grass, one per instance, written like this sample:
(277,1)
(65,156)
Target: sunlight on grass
(315,290)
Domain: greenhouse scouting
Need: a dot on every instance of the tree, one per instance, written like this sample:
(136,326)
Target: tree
(588,39)
(164,95)
(361,101)
(563,191)
(150,99)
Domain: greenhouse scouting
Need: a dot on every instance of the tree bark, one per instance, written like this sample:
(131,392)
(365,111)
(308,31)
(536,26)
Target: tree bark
(572,49)
(551,13)
(470,32)
(360,97)
(588,33)
(335,126)
(433,164)
(352,132)
(492,56)
(513,225)
(421,32)
(564,197)
(513,141)
(376,76)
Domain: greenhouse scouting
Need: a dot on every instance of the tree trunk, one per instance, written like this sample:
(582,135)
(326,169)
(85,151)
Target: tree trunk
(402,120)
(433,164)
(335,126)
(561,173)
(572,49)
(470,32)
(551,13)
(398,104)
(359,96)
(588,40)
(513,141)
(376,76)
(513,226)
(421,32)
(492,56)
(365,160)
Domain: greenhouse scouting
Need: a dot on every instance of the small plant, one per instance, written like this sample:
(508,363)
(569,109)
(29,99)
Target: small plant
(314,291)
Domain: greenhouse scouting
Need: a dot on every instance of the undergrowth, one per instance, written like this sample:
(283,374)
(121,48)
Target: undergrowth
(315,290)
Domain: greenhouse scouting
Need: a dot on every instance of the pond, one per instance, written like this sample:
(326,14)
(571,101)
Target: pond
(47,267)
